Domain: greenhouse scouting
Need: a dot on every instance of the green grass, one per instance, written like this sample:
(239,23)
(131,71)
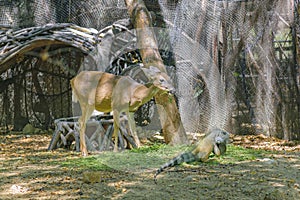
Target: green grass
(236,154)
(90,163)
(153,156)
(159,148)
(149,148)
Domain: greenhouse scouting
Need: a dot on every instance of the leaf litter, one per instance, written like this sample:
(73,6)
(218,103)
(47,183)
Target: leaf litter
(254,167)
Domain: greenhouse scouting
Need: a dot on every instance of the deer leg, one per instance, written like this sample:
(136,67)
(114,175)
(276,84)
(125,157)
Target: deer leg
(116,115)
(132,128)
(82,125)
(87,111)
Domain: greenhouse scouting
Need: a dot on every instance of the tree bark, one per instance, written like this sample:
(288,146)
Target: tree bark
(42,105)
(173,129)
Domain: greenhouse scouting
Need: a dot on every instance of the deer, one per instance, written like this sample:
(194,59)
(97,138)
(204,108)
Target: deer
(105,92)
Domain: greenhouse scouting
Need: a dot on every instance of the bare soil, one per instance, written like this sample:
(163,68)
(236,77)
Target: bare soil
(29,171)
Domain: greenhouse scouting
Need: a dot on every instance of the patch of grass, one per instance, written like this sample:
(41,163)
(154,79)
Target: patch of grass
(238,153)
(146,157)
(161,149)
(90,163)
(235,154)
(149,148)
(153,156)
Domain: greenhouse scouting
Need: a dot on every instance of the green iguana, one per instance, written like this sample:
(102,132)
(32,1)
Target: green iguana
(214,142)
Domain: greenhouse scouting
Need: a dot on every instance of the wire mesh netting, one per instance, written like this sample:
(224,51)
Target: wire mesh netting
(236,61)
(245,52)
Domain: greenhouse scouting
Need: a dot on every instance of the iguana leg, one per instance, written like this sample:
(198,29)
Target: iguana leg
(217,151)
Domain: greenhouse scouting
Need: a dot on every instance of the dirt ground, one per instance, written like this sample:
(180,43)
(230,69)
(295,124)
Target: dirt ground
(29,171)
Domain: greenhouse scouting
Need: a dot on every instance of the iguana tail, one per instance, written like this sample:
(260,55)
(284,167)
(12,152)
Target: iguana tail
(184,157)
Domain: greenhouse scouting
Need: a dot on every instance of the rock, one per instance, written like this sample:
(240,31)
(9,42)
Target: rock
(268,161)
(189,178)
(91,177)
(16,189)
(28,129)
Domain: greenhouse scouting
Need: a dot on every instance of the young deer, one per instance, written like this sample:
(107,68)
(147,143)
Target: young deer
(107,92)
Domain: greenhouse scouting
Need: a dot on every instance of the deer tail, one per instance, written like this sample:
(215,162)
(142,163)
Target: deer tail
(74,95)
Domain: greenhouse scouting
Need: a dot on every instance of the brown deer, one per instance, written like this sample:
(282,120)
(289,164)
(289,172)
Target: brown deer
(107,92)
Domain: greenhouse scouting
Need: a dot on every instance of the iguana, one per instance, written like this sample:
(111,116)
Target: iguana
(215,141)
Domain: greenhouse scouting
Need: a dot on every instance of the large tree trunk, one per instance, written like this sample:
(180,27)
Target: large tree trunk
(173,129)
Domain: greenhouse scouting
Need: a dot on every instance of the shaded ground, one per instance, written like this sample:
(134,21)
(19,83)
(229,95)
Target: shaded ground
(29,171)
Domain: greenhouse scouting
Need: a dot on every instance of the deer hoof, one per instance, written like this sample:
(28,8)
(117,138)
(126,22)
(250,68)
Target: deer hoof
(84,153)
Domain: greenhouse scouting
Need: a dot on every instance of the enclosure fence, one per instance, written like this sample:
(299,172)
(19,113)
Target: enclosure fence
(235,62)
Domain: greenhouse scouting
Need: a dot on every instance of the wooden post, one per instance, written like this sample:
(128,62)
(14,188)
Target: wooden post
(173,129)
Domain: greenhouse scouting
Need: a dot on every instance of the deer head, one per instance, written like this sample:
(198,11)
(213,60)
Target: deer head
(159,79)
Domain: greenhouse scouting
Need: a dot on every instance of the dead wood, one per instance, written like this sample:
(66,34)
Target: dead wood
(98,138)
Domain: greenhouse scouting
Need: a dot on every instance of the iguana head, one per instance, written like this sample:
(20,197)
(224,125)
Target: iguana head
(221,136)
(221,140)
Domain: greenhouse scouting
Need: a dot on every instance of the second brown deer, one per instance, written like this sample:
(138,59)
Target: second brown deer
(107,92)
